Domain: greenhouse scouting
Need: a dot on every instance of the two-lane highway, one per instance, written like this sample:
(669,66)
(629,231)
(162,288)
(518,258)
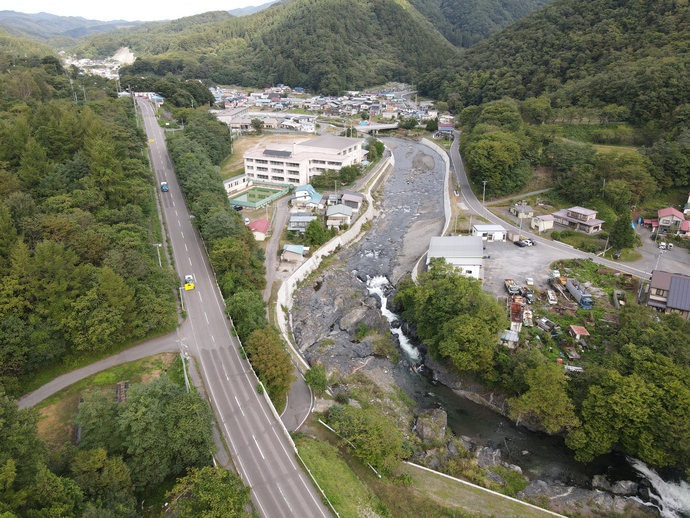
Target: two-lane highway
(262,453)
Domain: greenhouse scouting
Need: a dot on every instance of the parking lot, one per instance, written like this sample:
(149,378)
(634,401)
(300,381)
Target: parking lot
(505,260)
(676,260)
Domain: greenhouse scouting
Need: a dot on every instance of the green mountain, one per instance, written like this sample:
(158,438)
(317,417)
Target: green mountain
(56,30)
(325,45)
(586,53)
(20,47)
(466,22)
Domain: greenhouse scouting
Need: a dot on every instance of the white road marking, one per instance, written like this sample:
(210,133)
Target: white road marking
(224,371)
(175,212)
(190,261)
(173,204)
(185,248)
(213,339)
(182,234)
(201,299)
(239,406)
(286,500)
(257,447)
(178,223)
(206,317)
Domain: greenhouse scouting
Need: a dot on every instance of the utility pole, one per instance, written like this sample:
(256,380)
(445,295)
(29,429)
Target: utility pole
(484,196)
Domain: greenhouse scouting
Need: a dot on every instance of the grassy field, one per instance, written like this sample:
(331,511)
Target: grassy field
(57,411)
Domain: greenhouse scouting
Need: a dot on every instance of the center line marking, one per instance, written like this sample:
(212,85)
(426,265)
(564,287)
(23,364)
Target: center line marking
(239,406)
(257,447)
(190,261)
(205,315)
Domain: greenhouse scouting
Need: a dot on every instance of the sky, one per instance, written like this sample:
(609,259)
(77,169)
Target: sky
(130,10)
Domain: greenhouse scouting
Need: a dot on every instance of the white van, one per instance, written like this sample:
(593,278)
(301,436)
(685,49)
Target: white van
(662,246)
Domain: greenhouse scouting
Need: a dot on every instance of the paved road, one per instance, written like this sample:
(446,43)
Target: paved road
(567,251)
(263,454)
(158,345)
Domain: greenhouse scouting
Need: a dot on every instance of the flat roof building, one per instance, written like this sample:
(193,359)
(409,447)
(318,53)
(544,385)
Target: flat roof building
(298,163)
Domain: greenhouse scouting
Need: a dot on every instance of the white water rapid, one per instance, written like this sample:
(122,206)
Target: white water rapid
(375,286)
(673,498)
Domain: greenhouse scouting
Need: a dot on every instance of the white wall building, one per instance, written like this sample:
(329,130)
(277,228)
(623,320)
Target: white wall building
(465,253)
(298,163)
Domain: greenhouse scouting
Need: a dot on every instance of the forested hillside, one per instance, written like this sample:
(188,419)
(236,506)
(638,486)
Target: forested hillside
(465,23)
(13,47)
(581,53)
(78,218)
(325,45)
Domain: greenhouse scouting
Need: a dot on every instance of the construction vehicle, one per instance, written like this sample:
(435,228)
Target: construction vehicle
(581,295)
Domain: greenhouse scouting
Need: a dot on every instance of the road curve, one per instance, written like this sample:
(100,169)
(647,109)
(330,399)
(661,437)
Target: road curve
(476,205)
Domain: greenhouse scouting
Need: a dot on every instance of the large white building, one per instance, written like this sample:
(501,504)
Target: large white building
(465,253)
(299,163)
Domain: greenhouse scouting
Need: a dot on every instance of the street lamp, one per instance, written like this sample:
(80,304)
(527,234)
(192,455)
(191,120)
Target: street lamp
(158,250)
(483,196)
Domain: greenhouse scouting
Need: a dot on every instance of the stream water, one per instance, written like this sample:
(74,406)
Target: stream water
(539,455)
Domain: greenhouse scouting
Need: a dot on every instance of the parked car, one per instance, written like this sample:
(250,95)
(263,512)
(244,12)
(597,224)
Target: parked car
(531,242)
(520,243)
(238,207)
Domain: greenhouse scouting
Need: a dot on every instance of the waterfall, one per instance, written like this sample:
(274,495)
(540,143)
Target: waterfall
(375,286)
(672,498)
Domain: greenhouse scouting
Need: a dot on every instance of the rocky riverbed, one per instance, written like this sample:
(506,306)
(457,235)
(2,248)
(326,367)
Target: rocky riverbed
(336,321)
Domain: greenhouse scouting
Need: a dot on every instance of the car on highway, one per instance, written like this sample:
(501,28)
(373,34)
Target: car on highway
(188,282)
(164,187)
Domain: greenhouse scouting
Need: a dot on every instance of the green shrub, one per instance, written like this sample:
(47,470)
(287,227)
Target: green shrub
(556,235)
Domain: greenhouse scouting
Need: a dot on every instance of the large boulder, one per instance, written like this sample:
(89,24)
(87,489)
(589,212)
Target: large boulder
(487,457)
(625,488)
(600,482)
(431,425)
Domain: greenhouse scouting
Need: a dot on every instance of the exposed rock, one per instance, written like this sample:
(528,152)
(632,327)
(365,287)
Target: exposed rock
(600,482)
(574,500)
(468,443)
(488,457)
(625,488)
(515,468)
(431,425)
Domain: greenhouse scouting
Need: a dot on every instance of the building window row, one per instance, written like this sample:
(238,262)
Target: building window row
(274,170)
(278,178)
(259,161)
(262,176)
(262,168)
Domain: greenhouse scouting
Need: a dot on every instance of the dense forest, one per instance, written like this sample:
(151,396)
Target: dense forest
(77,215)
(584,53)
(465,23)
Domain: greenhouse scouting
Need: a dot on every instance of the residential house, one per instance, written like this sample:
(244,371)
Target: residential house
(305,196)
(670,220)
(522,211)
(259,228)
(293,253)
(489,232)
(445,127)
(298,163)
(299,221)
(579,218)
(465,253)
(352,199)
(542,223)
(338,215)
(509,338)
(669,293)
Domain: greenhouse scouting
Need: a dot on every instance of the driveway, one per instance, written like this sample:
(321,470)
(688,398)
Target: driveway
(676,260)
